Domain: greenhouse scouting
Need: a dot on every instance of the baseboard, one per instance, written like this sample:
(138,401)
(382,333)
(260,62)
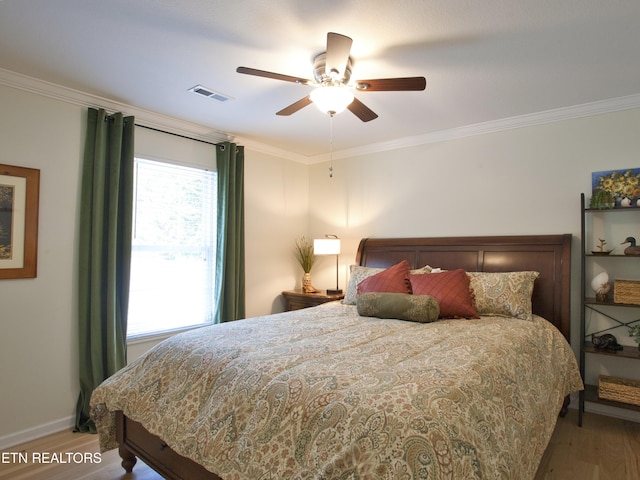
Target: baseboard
(609,411)
(33,433)
(606,410)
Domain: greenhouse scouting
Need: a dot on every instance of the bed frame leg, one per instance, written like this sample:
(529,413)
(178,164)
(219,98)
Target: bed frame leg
(565,406)
(128,458)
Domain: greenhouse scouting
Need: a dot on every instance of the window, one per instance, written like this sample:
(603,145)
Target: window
(173,248)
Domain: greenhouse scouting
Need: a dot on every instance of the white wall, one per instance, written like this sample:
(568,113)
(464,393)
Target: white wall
(519,181)
(277,206)
(38,334)
(38,339)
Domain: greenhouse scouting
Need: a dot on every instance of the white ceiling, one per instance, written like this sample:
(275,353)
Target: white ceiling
(483,60)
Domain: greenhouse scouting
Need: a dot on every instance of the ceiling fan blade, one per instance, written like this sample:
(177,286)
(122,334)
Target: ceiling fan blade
(338,50)
(275,76)
(294,107)
(361,111)
(391,84)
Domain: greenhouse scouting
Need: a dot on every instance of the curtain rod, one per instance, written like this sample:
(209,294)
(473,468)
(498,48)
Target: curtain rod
(176,134)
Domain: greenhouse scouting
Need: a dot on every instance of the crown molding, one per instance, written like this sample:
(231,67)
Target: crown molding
(142,116)
(271,150)
(528,120)
(172,124)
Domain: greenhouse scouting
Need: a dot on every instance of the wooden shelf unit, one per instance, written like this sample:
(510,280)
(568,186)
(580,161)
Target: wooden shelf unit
(590,394)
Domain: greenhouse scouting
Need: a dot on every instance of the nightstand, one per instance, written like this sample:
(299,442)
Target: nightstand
(296,299)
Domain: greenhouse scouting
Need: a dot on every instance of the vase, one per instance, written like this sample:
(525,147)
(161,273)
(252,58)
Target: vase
(307,286)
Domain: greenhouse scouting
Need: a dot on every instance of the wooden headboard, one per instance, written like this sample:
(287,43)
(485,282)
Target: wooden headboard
(548,254)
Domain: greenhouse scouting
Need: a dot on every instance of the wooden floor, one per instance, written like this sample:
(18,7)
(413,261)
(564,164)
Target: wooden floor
(603,449)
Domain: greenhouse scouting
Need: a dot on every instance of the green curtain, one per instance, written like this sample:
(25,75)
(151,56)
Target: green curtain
(230,280)
(104,253)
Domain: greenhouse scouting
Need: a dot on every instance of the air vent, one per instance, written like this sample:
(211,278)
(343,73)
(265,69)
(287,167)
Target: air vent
(209,93)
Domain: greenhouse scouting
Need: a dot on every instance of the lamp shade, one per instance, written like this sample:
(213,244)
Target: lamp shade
(332,99)
(326,246)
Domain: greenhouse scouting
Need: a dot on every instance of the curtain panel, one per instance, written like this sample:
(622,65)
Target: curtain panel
(104,252)
(230,262)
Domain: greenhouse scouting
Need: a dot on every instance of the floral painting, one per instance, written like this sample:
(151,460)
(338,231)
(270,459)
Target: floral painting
(622,186)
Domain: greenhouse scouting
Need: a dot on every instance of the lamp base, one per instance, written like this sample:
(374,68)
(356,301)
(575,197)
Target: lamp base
(336,291)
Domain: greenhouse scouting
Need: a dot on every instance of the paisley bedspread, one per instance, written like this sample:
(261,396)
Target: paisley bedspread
(323,393)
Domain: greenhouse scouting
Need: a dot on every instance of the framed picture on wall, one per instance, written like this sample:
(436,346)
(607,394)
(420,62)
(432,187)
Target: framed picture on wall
(616,188)
(19,202)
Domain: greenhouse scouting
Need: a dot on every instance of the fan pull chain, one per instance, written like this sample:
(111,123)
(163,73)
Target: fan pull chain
(330,146)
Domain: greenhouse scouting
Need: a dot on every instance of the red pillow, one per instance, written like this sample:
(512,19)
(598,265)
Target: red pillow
(394,279)
(452,291)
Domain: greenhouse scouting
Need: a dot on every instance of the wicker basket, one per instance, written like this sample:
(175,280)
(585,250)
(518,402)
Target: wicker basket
(626,291)
(619,390)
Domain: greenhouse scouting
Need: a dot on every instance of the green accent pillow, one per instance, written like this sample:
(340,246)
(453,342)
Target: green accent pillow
(401,306)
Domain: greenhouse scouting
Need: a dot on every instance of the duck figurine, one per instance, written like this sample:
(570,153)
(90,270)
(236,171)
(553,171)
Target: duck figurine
(632,249)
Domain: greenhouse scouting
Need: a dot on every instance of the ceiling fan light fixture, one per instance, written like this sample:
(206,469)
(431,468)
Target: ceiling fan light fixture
(332,72)
(332,99)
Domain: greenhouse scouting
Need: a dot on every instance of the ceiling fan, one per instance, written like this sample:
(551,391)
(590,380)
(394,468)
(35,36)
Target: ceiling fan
(332,73)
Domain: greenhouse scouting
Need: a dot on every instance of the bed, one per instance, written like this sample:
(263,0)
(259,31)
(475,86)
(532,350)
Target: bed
(328,393)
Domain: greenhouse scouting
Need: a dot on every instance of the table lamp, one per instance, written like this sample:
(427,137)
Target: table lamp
(329,246)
